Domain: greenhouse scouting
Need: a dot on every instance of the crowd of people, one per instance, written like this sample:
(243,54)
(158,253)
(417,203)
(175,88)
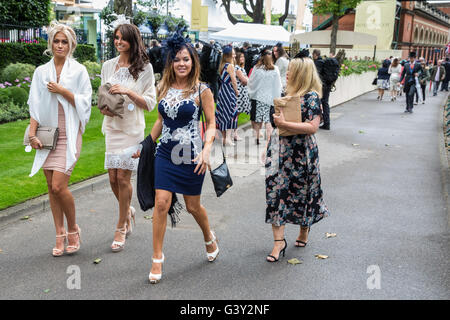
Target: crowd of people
(412,77)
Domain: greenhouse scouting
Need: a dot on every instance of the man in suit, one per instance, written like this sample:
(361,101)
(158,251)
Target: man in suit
(410,71)
(446,65)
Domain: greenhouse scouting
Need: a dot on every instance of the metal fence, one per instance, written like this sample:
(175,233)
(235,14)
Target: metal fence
(15,33)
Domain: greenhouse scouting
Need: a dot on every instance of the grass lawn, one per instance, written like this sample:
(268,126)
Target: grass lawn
(15,184)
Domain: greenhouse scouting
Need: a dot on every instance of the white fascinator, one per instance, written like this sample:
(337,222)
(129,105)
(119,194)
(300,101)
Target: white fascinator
(121,19)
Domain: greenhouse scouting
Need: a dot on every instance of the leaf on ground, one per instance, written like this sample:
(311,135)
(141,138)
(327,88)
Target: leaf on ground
(361,131)
(387,144)
(321,256)
(294,261)
(97,261)
(148,217)
(355,144)
(25,218)
(330,235)
(1,251)
(46,290)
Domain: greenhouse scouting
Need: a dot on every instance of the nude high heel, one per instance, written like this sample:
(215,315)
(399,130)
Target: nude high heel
(156,277)
(58,252)
(213,255)
(73,249)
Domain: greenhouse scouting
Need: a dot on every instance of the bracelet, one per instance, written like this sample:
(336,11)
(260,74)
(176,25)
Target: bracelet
(32,138)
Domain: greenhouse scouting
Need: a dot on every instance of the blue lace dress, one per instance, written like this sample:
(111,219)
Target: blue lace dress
(180,142)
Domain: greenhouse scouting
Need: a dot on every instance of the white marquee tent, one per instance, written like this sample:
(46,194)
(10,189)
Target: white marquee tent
(253,33)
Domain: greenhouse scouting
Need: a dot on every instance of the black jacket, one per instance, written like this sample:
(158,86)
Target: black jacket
(446,65)
(145,186)
(409,74)
(319,63)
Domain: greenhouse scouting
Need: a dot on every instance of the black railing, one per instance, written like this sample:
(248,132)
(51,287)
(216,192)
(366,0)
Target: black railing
(16,33)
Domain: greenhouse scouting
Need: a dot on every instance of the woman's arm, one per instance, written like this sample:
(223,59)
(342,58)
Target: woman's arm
(298,128)
(157,128)
(34,141)
(242,78)
(232,74)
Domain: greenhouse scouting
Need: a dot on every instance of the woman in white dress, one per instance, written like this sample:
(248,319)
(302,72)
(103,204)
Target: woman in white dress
(264,85)
(131,75)
(60,96)
(281,60)
(395,70)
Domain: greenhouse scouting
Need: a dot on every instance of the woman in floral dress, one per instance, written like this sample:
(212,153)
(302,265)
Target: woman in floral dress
(293,185)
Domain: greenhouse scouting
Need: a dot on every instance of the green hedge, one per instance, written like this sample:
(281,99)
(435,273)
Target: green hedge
(10,111)
(32,53)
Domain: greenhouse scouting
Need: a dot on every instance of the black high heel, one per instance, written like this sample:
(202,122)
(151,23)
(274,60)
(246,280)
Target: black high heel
(283,251)
(302,242)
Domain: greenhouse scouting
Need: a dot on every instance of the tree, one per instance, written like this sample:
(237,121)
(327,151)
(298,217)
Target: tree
(124,7)
(335,8)
(157,6)
(25,13)
(254,9)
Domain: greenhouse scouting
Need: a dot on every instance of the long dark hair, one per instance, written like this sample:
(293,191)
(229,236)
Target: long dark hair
(138,58)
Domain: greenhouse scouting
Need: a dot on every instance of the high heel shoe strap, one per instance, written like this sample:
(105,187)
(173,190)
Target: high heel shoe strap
(210,242)
(158,260)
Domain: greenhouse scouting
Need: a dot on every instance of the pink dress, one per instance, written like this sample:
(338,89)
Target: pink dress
(56,159)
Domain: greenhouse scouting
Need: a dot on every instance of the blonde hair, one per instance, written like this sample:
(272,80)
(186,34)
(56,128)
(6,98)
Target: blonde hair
(53,29)
(303,78)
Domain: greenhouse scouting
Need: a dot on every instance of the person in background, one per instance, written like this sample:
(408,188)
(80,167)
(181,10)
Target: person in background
(264,85)
(293,182)
(446,64)
(383,79)
(437,75)
(281,60)
(326,89)
(395,70)
(410,71)
(243,100)
(226,110)
(424,76)
(60,96)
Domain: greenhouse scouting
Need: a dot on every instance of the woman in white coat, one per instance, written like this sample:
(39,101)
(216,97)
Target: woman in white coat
(60,96)
(130,75)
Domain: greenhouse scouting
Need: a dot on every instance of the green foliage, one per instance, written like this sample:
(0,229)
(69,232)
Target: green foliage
(16,94)
(349,67)
(93,68)
(10,111)
(334,7)
(32,53)
(27,13)
(17,72)
(85,52)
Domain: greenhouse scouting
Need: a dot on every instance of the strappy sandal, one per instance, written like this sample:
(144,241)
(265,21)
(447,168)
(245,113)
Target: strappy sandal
(156,277)
(58,252)
(132,218)
(298,242)
(281,252)
(77,247)
(120,244)
(213,255)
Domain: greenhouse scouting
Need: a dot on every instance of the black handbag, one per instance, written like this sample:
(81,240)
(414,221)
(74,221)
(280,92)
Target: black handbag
(220,176)
(374,82)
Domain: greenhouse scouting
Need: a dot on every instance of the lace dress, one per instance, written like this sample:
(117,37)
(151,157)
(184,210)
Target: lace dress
(117,140)
(179,144)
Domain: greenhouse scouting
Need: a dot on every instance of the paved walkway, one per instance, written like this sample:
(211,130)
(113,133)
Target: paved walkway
(382,176)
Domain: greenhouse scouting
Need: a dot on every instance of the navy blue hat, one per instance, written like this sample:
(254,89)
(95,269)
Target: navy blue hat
(227,49)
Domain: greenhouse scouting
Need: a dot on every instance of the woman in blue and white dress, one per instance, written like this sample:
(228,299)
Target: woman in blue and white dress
(226,111)
(243,100)
(181,162)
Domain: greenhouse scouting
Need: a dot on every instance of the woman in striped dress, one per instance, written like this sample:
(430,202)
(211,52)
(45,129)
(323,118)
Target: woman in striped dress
(226,110)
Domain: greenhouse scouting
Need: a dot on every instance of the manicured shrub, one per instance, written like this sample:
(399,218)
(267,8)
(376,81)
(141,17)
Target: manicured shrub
(18,95)
(84,52)
(9,111)
(93,68)
(17,73)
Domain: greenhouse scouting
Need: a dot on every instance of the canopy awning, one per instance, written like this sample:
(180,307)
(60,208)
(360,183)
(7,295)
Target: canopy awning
(253,33)
(344,38)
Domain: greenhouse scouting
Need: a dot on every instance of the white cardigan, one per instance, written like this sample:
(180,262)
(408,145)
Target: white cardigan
(264,85)
(133,122)
(44,105)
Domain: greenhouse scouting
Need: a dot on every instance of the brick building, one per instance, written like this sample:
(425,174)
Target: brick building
(420,26)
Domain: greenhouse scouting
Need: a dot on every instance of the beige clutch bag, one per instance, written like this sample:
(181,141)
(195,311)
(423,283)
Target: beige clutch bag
(114,102)
(48,136)
(292,111)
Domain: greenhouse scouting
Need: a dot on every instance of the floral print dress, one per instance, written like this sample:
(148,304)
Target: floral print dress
(293,191)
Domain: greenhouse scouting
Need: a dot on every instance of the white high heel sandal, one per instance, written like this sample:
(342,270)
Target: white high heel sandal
(213,255)
(132,217)
(156,277)
(120,245)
